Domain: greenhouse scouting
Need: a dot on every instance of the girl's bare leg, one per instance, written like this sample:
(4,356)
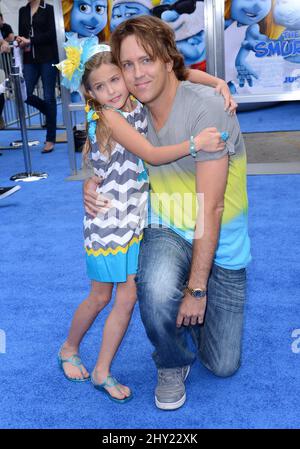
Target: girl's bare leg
(113,333)
(84,317)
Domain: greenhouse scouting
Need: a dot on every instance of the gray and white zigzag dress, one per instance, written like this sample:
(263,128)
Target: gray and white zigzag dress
(112,239)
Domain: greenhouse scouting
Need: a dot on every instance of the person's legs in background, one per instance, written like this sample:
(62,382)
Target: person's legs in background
(31,74)
(49,75)
(46,106)
(2,101)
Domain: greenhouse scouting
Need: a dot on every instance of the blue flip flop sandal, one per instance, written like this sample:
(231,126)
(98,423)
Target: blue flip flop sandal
(110,381)
(75,360)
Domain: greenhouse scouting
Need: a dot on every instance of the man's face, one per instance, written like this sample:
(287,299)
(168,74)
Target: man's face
(145,78)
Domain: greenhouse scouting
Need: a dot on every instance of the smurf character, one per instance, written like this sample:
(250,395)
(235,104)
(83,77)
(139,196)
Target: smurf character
(186,18)
(125,9)
(287,14)
(193,50)
(242,23)
(85,17)
(193,46)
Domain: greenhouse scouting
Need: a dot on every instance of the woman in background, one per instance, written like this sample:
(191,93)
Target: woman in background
(37,37)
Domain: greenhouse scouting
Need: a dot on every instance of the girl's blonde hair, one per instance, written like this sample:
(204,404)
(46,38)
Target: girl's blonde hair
(103,132)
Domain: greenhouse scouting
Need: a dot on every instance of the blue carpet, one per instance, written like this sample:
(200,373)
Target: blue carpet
(281,117)
(43,280)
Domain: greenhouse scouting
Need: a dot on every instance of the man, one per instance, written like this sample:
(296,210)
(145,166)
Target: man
(6,32)
(192,264)
(6,36)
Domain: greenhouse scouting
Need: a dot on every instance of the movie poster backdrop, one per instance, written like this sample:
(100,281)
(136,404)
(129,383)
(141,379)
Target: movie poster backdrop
(262,46)
(101,17)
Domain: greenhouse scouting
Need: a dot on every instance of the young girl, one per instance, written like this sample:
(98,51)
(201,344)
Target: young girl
(116,144)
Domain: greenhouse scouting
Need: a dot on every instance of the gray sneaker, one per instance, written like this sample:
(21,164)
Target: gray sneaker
(170,390)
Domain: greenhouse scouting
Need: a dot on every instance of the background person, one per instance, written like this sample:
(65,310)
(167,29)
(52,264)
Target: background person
(37,37)
(6,36)
(6,31)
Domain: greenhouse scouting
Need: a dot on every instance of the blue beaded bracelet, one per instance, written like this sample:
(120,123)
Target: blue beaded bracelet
(192,147)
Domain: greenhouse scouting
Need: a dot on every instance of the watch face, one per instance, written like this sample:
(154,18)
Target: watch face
(199,293)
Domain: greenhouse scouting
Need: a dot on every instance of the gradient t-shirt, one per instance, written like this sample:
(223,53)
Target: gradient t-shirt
(173,186)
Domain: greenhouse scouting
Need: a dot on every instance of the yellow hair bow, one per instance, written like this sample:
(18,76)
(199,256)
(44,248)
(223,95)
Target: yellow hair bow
(72,63)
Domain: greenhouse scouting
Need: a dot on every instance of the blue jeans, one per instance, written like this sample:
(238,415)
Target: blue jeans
(47,106)
(2,102)
(164,266)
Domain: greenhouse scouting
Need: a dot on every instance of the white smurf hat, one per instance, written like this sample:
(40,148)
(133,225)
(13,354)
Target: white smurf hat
(147,3)
(187,25)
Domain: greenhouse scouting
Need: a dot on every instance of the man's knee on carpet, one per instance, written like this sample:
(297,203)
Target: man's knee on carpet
(223,367)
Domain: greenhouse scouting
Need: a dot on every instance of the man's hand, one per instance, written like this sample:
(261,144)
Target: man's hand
(94,202)
(223,89)
(191,311)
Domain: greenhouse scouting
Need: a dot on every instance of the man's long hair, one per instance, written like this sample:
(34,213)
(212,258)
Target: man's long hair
(156,38)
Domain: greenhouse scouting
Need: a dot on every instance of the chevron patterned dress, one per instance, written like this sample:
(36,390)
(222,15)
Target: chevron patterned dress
(112,239)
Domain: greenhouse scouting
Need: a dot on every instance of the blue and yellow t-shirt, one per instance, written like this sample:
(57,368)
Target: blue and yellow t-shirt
(174,200)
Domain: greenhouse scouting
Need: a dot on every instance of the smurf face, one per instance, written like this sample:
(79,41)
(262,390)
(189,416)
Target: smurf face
(173,17)
(186,17)
(287,14)
(248,12)
(88,17)
(193,48)
(124,11)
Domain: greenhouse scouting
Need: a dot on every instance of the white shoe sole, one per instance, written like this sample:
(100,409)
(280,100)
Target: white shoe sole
(170,405)
(10,192)
(173,405)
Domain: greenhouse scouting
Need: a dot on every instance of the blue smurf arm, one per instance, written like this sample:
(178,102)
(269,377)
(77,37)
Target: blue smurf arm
(244,70)
(253,37)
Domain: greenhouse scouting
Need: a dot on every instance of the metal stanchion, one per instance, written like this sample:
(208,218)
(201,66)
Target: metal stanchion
(28,175)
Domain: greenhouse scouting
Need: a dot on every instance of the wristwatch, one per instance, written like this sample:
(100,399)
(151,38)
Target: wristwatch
(197,293)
